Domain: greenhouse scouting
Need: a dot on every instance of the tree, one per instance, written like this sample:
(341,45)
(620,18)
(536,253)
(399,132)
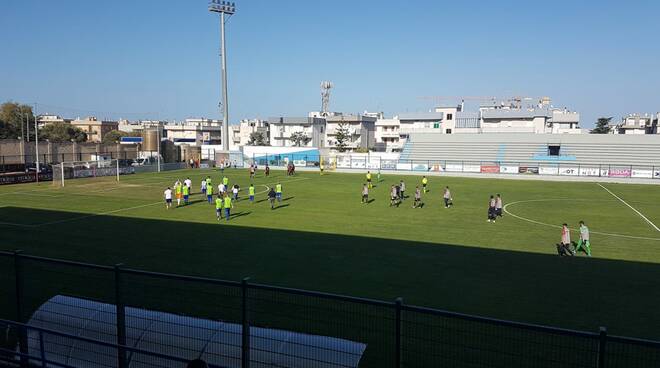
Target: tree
(257,139)
(342,137)
(602,126)
(114,136)
(13,120)
(300,138)
(62,132)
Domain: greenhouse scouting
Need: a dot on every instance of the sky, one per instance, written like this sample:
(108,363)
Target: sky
(160,59)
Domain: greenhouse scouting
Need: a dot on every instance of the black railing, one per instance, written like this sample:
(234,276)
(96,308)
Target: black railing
(393,334)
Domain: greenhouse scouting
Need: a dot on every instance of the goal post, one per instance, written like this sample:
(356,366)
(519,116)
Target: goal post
(65,171)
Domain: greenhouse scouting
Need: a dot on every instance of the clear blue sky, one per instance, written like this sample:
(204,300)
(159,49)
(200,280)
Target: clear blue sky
(159,59)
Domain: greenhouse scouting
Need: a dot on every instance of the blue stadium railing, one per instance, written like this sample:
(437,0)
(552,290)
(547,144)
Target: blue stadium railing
(395,334)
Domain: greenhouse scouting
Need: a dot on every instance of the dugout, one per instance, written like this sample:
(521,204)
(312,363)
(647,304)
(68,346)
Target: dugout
(216,342)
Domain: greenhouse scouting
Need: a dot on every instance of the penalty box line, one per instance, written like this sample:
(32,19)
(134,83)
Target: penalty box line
(631,207)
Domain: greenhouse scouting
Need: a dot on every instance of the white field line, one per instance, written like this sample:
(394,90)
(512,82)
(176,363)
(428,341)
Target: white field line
(97,214)
(631,207)
(559,227)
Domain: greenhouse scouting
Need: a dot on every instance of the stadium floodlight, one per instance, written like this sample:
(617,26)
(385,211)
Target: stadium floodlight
(225,8)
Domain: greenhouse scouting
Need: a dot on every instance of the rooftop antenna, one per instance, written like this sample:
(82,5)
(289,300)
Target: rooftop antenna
(326,86)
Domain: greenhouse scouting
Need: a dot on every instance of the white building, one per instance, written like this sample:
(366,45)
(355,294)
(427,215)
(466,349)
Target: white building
(637,124)
(361,130)
(46,119)
(512,117)
(246,127)
(282,128)
(387,135)
(194,132)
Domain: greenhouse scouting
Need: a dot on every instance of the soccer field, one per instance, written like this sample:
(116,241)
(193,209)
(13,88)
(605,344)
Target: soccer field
(320,237)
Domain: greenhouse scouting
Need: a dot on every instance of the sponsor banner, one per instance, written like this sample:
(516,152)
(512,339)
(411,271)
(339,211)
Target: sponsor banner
(373,164)
(472,168)
(528,170)
(569,171)
(490,169)
(605,172)
(358,164)
(619,173)
(388,164)
(454,167)
(420,167)
(203,166)
(641,173)
(508,169)
(549,170)
(300,162)
(437,168)
(400,166)
(589,171)
(24,178)
(656,174)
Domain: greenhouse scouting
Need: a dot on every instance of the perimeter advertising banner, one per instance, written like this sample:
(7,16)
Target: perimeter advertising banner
(641,173)
(454,167)
(549,170)
(528,170)
(472,168)
(656,174)
(589,171)
(509,169)
(24,178)
(437,168)
(490,169)
(619,173)
(569,171)
(358,164)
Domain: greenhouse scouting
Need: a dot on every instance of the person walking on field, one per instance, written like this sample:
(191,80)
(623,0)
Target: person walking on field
(271,198)
(583,243)
(425,182)
(564,247)
(267,170)
(417,203)
(447,198)
(278,192)
(227,206)
(402,190)
(369,179)
(218,207)
(365,193)
(491,209)
(168,198)
(498,206)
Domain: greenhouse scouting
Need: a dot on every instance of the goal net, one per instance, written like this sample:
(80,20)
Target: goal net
(88,169)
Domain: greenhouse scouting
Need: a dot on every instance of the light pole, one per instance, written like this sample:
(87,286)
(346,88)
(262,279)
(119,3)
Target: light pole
(36,138)
(224,8)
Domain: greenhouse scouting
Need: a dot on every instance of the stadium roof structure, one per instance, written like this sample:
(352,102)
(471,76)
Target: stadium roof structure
(218,343)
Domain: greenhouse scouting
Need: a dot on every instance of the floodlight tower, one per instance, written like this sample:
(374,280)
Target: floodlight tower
(226,10)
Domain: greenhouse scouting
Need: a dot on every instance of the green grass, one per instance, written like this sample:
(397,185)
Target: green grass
(322,238)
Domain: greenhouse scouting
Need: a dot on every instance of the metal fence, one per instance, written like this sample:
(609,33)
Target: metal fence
(375,162)
(393,333)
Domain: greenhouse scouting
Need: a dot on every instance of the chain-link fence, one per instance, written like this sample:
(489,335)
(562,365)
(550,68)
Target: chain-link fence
(70,314)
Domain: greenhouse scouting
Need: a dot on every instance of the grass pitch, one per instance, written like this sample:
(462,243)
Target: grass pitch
(322,238)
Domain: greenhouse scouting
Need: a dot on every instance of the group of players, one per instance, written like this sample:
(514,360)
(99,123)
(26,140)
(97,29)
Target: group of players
(398,193)
(226,195)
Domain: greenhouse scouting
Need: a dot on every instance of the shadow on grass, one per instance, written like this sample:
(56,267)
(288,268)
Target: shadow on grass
(573,292)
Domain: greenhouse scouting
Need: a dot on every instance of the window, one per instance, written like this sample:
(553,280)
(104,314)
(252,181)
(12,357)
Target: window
(448,131)
(450,116)
(553,150)
(436,125)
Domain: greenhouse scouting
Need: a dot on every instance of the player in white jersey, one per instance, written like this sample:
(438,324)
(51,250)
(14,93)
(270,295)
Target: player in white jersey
(168,198)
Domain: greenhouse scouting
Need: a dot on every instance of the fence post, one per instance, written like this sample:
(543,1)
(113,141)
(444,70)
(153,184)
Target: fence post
(245,344)
(398,303)
(22,333)
(121,319)
(601,347)
(41,349)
